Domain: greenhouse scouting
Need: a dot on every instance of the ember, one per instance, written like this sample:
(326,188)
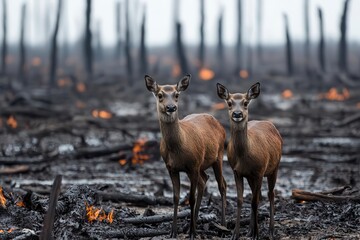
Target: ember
(93,213)
(2,198)
(11,121)
(334,95)
(287,94)
(64,82)
(244,74)
(80,87)
(176,70)
(206,74)
(138,155)
(101,114)
(36,61)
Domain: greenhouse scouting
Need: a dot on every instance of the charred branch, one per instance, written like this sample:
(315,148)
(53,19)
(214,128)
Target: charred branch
(288,48)
(137,199)
(321,50)
(143,50)
(301,195)
(156,218)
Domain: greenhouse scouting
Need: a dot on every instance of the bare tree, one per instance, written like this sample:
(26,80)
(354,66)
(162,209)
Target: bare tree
(118,30)
(88,54)
(220,45)
(4,42)
(289,54)
(180,50)
(22,61)
(238,50)
(321,51)
(54,47)
(143,50)
(307,35)
(99,48)
(259,31)
(128,42)
(202,38)
(342,57)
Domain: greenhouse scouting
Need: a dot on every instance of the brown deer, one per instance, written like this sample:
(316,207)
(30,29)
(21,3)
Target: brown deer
(190,145)
(254,152)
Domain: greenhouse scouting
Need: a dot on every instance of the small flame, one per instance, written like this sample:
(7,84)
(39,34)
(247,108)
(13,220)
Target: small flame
(287,94)
(122,162)
(64,82)
(334,95)
(2,198)
(176,70)
(80,87)
(20,204)
(11,121)
(218,106)
(8,231)
(36,61)
(101,114)
(138,155)
(206,74)
(244,74)
(93,213)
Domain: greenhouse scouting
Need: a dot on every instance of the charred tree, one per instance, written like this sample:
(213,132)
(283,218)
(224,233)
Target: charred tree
(129,66)
(220,45)
(22,65)
(307,35)
(342,57)
(118,30)
(259,31)
(180,50)
(65,45)
(238,50)
(321,51)
(143,50)
(202,34)
(54,47)
(4,40)
(99,48)
(88,53)
(288,50)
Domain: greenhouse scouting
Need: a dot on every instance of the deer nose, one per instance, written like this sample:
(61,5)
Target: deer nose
(171,108)
(237,115)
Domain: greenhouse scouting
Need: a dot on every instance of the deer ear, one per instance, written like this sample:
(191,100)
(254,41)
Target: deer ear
(254,91)
(222,91)
(150,83)
(183,84)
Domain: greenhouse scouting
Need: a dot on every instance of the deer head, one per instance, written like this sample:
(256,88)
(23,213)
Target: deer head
(167,97)
(238,103)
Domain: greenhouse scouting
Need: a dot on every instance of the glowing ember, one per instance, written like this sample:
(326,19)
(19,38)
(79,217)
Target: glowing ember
(287,94)
(206,74)
(2,198)
(218,106)
(334,95)
(122,162)
(36,61)
(138,155)
(8,231)
(176,70)
(80,87)
(20,204)
(98,214)
(101,114)
(64,82)
(244,74)
(11,121)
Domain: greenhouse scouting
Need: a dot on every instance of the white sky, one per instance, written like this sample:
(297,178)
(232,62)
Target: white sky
(160,20)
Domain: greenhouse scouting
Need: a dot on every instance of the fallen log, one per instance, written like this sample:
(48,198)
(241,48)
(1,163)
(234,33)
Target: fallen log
(129,233)
(156,218)
(14,169)
(90,152)
(22,160)
(136,199)
(301,195)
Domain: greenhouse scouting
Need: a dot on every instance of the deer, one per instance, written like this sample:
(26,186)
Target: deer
(191,145)
(254,152)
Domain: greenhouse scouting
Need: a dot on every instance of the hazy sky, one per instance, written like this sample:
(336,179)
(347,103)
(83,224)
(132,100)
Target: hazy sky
(160,19)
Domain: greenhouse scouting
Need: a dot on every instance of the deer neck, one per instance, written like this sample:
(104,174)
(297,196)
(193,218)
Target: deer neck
(171,134)
(239,137)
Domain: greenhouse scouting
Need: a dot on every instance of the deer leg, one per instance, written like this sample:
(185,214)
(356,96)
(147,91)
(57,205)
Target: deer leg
(271,185)
(200,192)
(194,179)
(222,187)
(239,180)
(255,185)
(175,179)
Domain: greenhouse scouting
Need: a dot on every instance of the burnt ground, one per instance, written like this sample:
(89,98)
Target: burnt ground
(321,142)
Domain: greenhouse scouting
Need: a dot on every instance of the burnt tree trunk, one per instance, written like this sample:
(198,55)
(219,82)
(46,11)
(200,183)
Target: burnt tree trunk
(54,47)
(342,57)
(307,35)
(238,50)
(99,48)
(118,30)
(88,54)
(22,61)
(220,45)
(4,42)
(143,50)
(321,51)
(129,66)
(180,50)
(259,31)
(202,34)
(289,54)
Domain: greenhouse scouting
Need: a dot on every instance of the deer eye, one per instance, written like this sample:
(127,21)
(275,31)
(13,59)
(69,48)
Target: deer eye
(246,104)
(160,96)
(177,95)
(229,104)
